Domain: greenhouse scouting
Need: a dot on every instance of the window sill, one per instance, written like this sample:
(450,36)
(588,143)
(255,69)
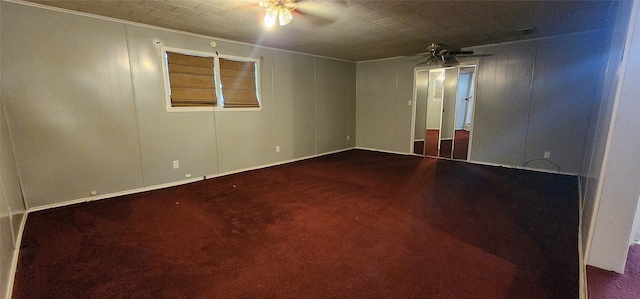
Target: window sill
(209,109)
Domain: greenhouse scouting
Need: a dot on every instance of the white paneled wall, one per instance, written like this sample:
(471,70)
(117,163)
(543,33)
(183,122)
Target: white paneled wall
(383,115)
(540,95)
(69,101)
(295,88)
(375,109)
(567,82)
(85,100)
(12,208)
(619,189)
(532,96)
(331,105)
(503,96)
(165,136)
(601,119)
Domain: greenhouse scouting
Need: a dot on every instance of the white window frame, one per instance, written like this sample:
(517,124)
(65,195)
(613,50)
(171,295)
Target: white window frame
(216,76)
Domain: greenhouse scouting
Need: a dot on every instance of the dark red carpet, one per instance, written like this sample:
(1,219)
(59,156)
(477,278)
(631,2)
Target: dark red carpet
(356,224)
(604,284)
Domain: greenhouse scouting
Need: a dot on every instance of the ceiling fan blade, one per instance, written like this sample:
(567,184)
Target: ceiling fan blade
(313,19)
(246,5)
(316,13)
(460,52)
(472,55)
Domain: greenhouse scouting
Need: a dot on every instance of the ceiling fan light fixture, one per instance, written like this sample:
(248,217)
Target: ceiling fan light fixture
(277,11)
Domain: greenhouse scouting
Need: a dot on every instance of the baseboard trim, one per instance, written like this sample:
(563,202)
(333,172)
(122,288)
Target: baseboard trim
(277,163)
(172,184)
(383,151)
(113,194)
(521,168)
(472,161)
(583,291)
(16,253)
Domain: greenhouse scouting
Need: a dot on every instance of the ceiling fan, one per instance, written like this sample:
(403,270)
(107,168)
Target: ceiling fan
(439,54)
(314,13)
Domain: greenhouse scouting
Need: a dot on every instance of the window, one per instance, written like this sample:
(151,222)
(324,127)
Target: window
(238,83)
(198,81)
(191,80)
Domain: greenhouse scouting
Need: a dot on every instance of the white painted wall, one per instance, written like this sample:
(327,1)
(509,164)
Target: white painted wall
(536,96)
(10,183)
(85,103)
(601,119)
(69,103)
(163,137)
(12,209)
(383,116)
(532,97)
(619,188)
(332,88)
(296,111)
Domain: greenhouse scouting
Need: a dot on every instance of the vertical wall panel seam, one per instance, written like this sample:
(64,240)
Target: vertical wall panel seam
(395,106)
(346,110)
(215,137)
(315,101)
(133,97)
(273,96)
(533,75)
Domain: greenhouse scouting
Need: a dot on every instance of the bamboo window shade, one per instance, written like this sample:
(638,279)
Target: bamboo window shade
(191,80)
(238,83)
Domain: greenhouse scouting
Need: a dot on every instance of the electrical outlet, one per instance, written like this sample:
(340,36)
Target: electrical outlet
(348,136)
(409,102)
(277,148)
(93,193)
(188,175)
(547,154)
(176,164)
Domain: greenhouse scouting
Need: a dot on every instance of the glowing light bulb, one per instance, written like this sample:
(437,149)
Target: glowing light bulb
(270,17)
(285,16)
